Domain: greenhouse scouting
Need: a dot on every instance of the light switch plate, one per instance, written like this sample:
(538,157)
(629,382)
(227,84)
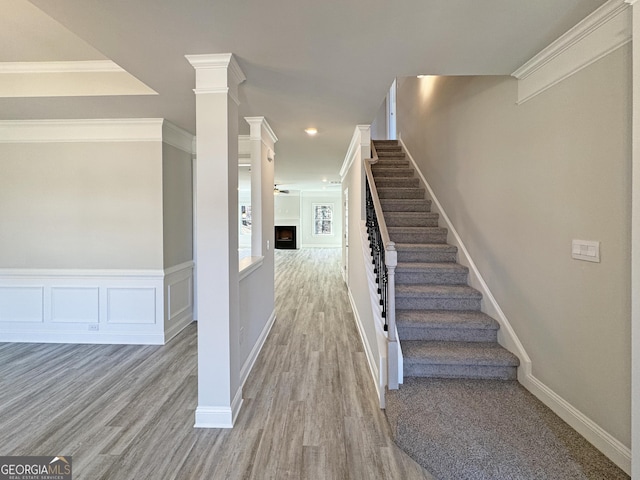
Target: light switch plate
(588,250)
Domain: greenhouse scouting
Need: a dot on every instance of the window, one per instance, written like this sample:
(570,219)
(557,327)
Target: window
(323,219)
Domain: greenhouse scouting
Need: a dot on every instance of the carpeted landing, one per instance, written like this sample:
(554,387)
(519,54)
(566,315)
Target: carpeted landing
(461,429)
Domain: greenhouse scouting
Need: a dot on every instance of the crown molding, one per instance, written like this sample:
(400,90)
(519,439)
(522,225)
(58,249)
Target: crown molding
(605,30)
(90,66)
(82,130)
(96,130)
(177,137)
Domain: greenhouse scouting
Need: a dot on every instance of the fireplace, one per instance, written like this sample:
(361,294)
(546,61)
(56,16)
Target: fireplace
(285,236)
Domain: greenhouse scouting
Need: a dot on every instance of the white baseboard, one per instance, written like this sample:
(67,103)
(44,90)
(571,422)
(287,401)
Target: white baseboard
(607,444)
(177,326)
(257,347)
(602,440)
(214,417)
(100,338)
(219,417)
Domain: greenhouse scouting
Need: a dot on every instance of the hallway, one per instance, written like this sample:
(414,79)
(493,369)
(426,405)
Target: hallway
(127,412)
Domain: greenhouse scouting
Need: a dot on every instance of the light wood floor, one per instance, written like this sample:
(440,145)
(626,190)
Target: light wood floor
(127,412)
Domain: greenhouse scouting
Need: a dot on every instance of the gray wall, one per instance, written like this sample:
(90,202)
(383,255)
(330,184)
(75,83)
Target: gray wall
(519,183)
(81,205)
(257,291)
(379,124)
(177,205)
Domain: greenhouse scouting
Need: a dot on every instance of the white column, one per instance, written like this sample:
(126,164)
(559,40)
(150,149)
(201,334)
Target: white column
(263,142)
(219,390)
(635,243)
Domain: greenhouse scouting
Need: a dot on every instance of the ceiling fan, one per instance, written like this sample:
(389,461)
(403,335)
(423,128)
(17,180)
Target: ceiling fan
(278,191)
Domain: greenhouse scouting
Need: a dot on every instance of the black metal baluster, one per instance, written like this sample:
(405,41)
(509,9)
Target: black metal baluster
(377,252)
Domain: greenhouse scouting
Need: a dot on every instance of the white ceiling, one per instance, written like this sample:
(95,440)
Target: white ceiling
(322,64)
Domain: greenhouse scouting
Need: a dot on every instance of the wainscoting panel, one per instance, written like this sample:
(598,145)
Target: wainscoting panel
(82,306)
(75,304)
(180,294)
(131,305)
(21,304)
(178,298)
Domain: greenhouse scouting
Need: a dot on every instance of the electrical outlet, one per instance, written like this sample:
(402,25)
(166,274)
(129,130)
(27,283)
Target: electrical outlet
(94,327)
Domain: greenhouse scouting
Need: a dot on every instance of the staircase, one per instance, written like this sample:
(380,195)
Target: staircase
(460,412)
(442,332)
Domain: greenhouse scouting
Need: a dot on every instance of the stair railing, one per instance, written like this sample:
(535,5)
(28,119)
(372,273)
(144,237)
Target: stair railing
(385,260)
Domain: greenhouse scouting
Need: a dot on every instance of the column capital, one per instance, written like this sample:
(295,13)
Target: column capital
(217,73)
(260,128)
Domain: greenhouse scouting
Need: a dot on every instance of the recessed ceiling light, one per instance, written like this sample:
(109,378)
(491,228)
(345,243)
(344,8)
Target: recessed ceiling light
(311,131)
(423,76)
(324,180)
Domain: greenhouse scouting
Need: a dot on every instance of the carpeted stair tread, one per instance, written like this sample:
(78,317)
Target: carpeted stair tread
(385,153)
(392,162)
(387,145)
(398,182)
(426,247)
(461,319)
(457,353)
(429,273)
(426,252)
(446,326)
(488,430)
(400,192)
(416,229)
(391,171)
(442,267)
(405,205)
(437,291)
(417,219)
(418,234)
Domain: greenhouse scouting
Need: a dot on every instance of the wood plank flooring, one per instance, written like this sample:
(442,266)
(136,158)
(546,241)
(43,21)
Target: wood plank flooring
(127,412)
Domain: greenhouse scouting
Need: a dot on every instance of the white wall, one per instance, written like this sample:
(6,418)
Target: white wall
(296,208)
(306,233)
(519,183)
(369,325)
